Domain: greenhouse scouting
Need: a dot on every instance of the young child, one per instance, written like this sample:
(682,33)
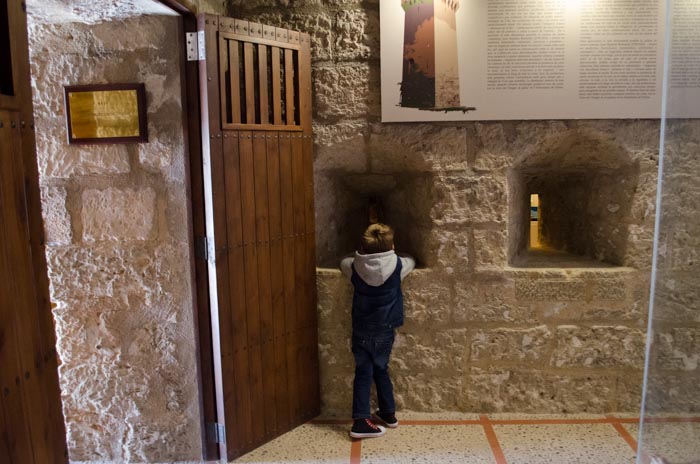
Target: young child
(377,309)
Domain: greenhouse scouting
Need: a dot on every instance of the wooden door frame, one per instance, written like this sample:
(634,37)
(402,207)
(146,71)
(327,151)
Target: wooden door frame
(189,77)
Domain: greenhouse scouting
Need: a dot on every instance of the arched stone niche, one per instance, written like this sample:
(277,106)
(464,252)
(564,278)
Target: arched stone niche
(586,186)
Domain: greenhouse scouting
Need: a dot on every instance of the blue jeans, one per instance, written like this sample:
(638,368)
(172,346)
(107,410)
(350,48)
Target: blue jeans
(372,353)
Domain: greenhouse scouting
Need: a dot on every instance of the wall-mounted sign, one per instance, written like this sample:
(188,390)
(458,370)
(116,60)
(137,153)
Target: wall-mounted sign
(452,60)
(109,113)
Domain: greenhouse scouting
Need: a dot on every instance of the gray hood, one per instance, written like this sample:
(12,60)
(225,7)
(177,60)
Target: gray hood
(375,268)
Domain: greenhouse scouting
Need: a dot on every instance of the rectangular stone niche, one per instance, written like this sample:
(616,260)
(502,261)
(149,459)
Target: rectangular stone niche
(586,190)
(403,201)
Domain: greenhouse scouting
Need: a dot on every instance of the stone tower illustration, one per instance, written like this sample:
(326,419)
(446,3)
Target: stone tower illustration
(430,60)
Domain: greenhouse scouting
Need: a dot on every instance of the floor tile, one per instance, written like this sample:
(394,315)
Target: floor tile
(444,444)
(307,444)
(557,444)
(675,442)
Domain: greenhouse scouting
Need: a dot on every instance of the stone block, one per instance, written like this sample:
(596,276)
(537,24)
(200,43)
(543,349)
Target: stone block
(348,156)
(533,391)
(550,290)
(610,289)
(320,25)
(432,352)
(495,154)
(489,301)
(491,249)
(343,92)
(356,34)
(425,392)
(671,392)
(417,147)
(678,348)
(426,298)
(56,159)
(629,391)
(119,215)
(448,250)
(598,346)
(462,198)
(529,345)
(332,135)
(57,223)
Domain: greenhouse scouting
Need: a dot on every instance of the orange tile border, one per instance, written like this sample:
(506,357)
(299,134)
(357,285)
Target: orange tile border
(493,440)
(603,420)
(356,451)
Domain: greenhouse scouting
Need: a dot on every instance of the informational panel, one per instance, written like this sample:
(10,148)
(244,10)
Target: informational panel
(450,60)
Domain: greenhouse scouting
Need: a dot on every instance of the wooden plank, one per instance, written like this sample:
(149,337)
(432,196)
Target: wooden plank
(17,416)
(264,41)
(249,73)
(51,430)
(305,95)
(287,191)
(277,281)
(276,87)
(265,127)
(5,450)
(289,85)
(262,78)
(243,424)
(224,96)
(309,229)
(251,282)
(262,224)
(235,82)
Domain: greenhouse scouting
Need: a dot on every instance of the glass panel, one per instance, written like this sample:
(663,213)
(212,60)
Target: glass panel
(669,431)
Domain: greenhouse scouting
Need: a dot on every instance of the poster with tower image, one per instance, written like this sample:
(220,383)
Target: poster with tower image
(460,60)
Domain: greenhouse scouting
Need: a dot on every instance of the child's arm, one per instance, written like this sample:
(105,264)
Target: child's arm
(407,264)
(346,265)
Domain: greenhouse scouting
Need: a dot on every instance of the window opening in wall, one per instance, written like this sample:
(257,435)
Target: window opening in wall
(6,83)
(534,221)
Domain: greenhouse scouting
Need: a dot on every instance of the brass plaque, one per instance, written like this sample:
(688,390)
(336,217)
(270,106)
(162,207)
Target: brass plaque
(105,115)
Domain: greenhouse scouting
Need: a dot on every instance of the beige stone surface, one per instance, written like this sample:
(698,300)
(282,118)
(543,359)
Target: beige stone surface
(115,215)
(118,260)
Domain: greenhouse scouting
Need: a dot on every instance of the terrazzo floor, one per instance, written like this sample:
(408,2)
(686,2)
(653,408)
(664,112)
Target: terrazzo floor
(486,439)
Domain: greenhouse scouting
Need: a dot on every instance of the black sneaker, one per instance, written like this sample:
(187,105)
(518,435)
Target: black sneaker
(388,419)
(364,428)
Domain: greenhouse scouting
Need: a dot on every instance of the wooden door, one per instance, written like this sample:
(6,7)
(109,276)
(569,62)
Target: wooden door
(31,423)
(258,182)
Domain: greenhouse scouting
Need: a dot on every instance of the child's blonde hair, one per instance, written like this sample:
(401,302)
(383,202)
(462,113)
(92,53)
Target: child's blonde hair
(378,238)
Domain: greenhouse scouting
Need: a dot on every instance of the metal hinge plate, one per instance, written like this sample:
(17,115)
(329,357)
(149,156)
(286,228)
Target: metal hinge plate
(192,46)
(216,433)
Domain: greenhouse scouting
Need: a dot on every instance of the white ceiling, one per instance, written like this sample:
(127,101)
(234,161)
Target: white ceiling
(91,11)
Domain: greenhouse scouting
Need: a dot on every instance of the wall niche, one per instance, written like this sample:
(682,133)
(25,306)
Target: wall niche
(403,201)
(586,187)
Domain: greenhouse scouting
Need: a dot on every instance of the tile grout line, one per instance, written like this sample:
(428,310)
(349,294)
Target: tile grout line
(356,451)
(622,431)
(493,440)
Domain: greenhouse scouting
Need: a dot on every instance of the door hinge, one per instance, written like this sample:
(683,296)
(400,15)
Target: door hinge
(192,46)
(204,249)
(216,433)
(195,46)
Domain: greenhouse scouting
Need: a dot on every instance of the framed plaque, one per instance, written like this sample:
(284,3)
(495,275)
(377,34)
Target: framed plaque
(106,113)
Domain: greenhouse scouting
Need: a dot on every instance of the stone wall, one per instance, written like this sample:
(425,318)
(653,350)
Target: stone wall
(118,247)
(480,334)
(674,365)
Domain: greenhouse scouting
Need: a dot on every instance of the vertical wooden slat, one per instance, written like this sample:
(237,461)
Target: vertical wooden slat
(224,96)
(17,416)
(277,280)
(262,77)
(235,88)
(243,425)
(276,87)
(289,84)
(264,288)
(249,71)
(287,189)
(299,264)
(251,282)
